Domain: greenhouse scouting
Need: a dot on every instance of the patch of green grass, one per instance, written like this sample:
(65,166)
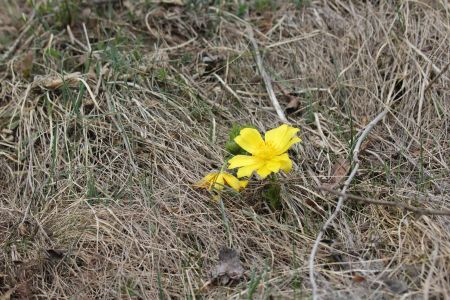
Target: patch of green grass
(226,222)
(242,9)
(310,109)
(130,289)
(264,5)
(253,284)
(91,189)
(199,109)
(272,194)
(186,59)
(146,183)
(160,287)
(162,74)
(299,4)
(54,14)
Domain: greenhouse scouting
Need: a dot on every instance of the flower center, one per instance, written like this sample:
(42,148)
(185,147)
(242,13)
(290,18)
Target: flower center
(267,151)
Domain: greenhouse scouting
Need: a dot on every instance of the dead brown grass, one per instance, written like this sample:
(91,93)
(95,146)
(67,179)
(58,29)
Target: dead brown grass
(96,197)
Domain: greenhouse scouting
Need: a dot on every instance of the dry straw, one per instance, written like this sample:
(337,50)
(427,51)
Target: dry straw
(96,174)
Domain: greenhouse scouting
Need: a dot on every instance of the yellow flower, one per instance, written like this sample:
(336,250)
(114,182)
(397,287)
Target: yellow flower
(268,155)
(217,181)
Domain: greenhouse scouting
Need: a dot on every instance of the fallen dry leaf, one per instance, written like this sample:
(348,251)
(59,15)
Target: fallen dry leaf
(293,104)
(266,22)
(340,170)
(358,278)
(54,82)
(229,268)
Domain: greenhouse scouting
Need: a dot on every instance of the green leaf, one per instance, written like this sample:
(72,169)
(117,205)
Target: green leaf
(271,194)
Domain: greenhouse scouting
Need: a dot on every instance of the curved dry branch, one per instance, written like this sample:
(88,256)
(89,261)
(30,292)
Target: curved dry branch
(341,199)
(266,78)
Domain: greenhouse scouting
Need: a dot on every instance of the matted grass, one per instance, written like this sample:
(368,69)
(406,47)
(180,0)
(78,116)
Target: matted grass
(111,110)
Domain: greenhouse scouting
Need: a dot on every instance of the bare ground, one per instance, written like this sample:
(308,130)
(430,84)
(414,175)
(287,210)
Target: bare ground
(111,110)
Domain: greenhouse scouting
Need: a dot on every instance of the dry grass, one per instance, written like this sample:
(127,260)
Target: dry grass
(96,197)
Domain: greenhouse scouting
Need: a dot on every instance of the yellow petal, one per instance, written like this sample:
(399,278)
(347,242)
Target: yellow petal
(282,138)
(285,162)
(242,161)
(273,165)
(250,140)
(248,170)
(219,183)
(246,164)
(243,183)
(263,172)
(293,141)
(279,162)
(232,181)
(206,181)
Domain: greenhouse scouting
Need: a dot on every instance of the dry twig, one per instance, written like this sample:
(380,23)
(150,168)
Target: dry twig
(266,77)
(341,199)
(417,210)
(437,77)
